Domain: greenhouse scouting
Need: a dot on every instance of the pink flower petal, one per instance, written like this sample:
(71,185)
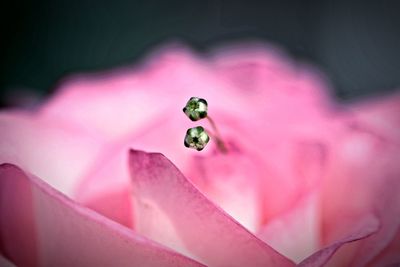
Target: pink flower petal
(114,204)
(390,256)
(366,227)
(293,172)
(295,233)
(233,187)
(63,155)
(94,101)
(41,227)
(58,152)
(363,178)
(276,88)
(173,212)
(382,114)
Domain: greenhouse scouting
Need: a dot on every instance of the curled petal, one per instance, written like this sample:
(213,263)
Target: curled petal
(390,257)
(41,227)
(368,226)
(173,212)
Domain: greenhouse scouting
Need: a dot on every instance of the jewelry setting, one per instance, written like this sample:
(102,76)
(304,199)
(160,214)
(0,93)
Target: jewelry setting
(197,137)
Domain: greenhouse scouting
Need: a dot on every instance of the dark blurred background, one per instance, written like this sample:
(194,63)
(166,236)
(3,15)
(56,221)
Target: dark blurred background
(356,43)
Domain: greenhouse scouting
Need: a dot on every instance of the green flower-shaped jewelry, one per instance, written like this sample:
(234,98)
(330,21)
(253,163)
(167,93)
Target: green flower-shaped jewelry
(196,138)
(196,108)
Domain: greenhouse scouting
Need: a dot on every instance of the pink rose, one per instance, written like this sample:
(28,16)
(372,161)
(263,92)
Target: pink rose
(305,181)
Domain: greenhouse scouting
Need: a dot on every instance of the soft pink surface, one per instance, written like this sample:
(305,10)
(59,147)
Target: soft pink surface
(362,177)
(56,151)
(304,176)
(172,211)
(41,227)
(360,230)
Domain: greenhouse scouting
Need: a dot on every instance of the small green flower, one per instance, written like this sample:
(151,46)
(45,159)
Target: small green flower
(196,138)
(196,108)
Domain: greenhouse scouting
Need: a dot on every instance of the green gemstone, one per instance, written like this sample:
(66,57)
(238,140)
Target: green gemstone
(196,138)
(196,108)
